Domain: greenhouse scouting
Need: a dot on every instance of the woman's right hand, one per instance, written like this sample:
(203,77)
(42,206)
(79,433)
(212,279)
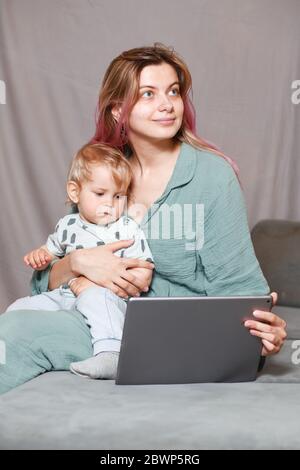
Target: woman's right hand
(103,267)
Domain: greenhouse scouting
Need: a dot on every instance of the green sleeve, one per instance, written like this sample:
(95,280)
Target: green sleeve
(227,255)
(40,280)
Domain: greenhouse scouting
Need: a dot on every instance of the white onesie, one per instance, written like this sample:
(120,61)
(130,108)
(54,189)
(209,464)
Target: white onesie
(104,311)
(72,233)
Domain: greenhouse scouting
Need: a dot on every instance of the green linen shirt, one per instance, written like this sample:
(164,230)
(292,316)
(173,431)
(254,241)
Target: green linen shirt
(198,233)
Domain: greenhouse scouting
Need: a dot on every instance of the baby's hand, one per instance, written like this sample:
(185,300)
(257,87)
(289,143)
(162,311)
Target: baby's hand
(79,284)
(38,259)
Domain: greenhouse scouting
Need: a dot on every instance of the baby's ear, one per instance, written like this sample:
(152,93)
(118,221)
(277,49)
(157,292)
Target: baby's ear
(73,191)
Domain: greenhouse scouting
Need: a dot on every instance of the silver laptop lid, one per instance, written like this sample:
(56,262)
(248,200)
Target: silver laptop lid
(189,340)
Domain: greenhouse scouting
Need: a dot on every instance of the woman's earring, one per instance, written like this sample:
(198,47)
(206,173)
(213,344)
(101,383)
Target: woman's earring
(123,132)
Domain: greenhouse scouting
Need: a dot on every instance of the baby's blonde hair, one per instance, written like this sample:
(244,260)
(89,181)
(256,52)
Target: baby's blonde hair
(101,154)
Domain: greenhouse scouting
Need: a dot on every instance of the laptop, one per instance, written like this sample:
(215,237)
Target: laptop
(176,340)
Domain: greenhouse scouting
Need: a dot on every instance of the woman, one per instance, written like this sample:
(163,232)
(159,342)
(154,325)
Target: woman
(188,199)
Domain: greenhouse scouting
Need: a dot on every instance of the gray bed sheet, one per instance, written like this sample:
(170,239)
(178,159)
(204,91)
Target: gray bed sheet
(61,411)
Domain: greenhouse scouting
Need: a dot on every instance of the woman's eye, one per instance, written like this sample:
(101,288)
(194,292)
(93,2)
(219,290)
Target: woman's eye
(99,194)
(149,93)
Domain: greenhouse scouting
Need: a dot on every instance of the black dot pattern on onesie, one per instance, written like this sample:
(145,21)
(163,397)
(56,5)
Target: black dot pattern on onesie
(79,247)
(71,221)
(101,242)
(73,238)
(143,245)
(56,243)
(117,235)
(65,235)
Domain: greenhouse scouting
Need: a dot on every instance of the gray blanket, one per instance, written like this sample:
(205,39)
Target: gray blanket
(61,411)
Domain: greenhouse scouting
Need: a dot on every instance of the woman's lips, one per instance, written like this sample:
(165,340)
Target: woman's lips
(165,122)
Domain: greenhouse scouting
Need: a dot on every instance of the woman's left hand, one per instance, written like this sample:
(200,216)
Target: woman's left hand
(271,329)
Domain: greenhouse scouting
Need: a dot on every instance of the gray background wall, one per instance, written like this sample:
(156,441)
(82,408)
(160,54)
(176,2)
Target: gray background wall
(243,55)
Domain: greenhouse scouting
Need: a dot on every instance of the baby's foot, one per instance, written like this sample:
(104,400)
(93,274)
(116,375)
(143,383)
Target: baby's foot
(102,366)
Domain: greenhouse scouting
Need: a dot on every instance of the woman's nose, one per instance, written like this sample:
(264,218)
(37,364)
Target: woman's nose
(165,104)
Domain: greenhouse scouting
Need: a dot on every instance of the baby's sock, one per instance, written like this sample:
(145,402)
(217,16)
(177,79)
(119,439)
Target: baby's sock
(102,366)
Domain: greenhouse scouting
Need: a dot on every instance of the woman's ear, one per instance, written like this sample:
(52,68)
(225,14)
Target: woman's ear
(116,112)
(73,191)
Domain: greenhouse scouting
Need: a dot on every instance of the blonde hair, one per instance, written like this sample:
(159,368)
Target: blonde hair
(100,154)
(120,86)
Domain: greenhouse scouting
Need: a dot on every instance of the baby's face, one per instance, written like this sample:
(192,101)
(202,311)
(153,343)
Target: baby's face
(100,200)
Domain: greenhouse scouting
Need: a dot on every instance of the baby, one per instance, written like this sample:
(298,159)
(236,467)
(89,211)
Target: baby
(98,183)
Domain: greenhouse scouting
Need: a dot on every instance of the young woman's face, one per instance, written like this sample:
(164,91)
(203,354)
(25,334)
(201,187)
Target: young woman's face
(158,112)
